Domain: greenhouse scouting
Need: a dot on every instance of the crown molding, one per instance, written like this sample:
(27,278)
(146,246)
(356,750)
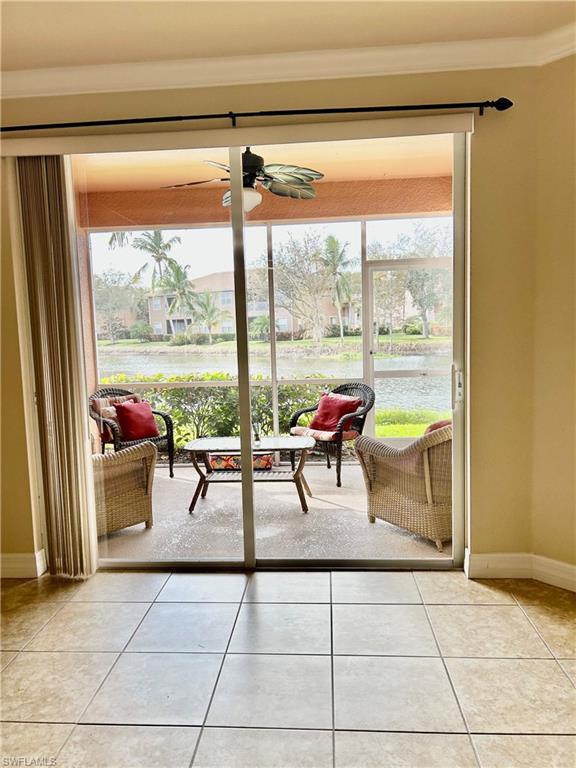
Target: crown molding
(289,67)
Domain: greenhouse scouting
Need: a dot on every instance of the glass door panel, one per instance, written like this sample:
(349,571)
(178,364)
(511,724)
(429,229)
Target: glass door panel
(158,290)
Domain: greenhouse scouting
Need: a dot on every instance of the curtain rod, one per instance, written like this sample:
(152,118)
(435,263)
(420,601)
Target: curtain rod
(500,105)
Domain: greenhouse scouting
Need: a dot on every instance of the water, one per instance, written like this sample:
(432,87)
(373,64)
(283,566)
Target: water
(421,392)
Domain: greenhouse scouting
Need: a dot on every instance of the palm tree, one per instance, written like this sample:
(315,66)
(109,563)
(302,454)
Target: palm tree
(157,248)
(119,239)
(208,313)
(176,283)
(336,262)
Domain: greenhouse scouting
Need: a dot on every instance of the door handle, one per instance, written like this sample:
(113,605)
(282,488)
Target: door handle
(457,386)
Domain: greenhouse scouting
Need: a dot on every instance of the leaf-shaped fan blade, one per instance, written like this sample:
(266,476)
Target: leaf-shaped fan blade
(214,164)
(297,190)
(290,172)
(192,183)
(227,198)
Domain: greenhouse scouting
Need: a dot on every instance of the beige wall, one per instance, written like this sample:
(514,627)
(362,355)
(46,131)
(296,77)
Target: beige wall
(554,426)
(17,526)
(513,295)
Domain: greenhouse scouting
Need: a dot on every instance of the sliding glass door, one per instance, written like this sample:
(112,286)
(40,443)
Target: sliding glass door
(233,300)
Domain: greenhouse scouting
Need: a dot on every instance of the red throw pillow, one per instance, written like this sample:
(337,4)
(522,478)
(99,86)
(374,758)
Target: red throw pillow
(331,409)
(438,425)
(136,420)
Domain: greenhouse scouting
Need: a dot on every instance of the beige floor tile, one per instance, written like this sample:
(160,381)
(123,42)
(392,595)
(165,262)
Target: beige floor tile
(6,657)
(374,587)
(514,695)
(52,687)
(156,689)
(20,624)
(128,587)
(90,627)
(272,748)
(203,588)
(186,627)
(452,587)
(273,692)
(132,746)
(32,743)
(499,631)
(557,625)
(282,628)
(300,587)
(526,751)
(403,750)
(389,630)
(45,588)
(569,666)
(530,592)
(394,694)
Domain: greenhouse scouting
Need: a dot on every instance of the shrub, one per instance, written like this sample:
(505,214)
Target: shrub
(413,326)
(180,340)
(206,411)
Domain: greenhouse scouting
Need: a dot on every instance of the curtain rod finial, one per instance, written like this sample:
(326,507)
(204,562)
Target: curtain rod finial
(502,104)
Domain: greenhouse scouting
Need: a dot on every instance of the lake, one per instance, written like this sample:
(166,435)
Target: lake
(409,393)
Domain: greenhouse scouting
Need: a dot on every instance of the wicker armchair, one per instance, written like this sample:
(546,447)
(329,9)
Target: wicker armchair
(123,487)
(108,427)
(411,487)
(333,446)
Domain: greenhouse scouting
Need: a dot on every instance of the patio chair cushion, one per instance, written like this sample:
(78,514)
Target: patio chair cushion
(323,435)
(438,425)
(331,408)
(136,420)
(106,408)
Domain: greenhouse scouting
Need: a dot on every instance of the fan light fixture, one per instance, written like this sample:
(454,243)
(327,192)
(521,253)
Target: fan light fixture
(250,197)
(278,178)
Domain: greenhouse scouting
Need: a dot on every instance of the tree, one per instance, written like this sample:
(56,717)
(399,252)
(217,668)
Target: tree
(260,328)
(158,249)
(112,295)
(428,287)
(389,300)
(141,331)
(208,313)
(337,265)
(176,283)
(300,280)
(119,239)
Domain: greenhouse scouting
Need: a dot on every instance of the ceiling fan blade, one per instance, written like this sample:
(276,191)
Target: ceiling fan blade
(277,170)
(214,164)
(192,183)
(296,190)
(227,198)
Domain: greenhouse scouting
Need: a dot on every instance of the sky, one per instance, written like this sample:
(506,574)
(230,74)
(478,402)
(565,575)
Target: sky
(209,250)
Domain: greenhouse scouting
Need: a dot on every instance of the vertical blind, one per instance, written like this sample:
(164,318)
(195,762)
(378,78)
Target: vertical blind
(51,274)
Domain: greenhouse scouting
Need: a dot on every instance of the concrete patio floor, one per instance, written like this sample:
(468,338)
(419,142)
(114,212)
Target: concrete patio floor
(336,526)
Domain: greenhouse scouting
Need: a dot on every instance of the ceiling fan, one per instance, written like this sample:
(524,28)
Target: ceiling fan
(283,180)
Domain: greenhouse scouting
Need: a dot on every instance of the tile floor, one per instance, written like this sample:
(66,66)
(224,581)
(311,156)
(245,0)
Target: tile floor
(288,670)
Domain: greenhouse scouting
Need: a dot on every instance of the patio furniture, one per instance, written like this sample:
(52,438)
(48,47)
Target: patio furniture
(203,447)
(411,487)
(110,432)
(123,487)
(348,428)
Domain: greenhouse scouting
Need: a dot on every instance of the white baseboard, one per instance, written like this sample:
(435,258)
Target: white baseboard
(520,565)
(23,566)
